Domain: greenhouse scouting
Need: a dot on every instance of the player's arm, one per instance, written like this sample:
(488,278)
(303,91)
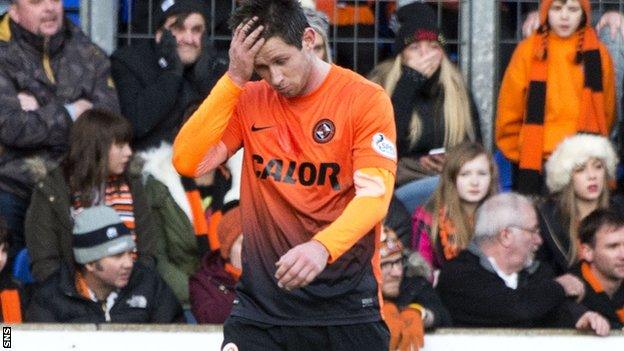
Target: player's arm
(374,159)
(302,264)
(373,191)
(198,148)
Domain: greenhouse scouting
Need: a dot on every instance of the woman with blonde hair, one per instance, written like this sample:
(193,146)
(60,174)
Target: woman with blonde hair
(577,175)
(444,226)
(432,105)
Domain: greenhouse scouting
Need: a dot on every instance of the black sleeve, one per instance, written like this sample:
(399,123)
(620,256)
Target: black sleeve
(423,294)
(165,306)
(409,85)
(38,310)
(145,104)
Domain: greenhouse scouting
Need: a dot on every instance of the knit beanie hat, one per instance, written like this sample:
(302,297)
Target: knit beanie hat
(98,233)
(168,8)
(417,21)
(573,152)
(545,6)
(399,219)
(391,246)
(228,230)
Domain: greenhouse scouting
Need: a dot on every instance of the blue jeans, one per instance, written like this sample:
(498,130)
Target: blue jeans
(13,210)
(417,192)
(616,49)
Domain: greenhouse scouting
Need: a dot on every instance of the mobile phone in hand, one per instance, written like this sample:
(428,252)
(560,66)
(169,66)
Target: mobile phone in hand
(438,151)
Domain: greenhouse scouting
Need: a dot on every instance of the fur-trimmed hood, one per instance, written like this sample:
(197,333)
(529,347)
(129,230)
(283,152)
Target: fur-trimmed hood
(158,164)
(573,152)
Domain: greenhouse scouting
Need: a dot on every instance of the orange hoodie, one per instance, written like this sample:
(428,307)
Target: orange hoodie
(563,96)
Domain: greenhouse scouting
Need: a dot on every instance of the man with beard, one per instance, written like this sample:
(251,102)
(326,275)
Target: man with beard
(497,283)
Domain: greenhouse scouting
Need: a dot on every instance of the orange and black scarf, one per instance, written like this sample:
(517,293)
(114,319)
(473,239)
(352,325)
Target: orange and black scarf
(591,117)
(200,225)
(595,284)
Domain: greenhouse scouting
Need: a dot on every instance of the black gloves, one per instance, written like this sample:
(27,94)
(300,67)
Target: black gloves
(209,67)
(167,49)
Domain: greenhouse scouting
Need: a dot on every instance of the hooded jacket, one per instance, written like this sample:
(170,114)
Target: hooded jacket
(67,68)
(565,84)
(212,290)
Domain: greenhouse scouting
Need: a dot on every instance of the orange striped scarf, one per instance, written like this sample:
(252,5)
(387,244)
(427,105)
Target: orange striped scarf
(591,279)
(11,306)
(200,225)
(591,116)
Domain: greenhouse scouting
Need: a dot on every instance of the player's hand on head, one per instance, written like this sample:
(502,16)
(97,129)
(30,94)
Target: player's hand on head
(243,49)
(301,265)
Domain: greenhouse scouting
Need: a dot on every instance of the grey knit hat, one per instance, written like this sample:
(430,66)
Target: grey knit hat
(573,152)
(98,233)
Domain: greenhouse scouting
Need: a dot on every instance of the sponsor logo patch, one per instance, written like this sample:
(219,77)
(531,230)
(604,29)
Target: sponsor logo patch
(323,131)
(137,301)
(384,146)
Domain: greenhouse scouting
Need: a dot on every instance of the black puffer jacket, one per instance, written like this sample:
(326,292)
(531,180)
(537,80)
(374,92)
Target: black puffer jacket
(146,299)
(33,142)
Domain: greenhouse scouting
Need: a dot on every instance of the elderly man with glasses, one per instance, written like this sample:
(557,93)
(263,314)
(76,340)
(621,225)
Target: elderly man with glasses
(496,282)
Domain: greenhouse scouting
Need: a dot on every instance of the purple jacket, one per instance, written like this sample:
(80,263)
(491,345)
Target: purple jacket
(211,290)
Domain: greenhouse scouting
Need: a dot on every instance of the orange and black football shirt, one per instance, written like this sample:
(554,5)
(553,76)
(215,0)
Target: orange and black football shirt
(297,178)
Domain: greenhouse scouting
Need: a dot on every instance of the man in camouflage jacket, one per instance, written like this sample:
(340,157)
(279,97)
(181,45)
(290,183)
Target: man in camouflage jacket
(50,73)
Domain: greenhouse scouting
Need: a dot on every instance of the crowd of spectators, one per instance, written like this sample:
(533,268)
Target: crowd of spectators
(115,234)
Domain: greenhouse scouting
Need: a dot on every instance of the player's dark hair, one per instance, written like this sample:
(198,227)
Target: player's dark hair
(281,18)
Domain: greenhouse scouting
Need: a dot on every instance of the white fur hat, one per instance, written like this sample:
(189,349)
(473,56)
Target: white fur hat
(573,152)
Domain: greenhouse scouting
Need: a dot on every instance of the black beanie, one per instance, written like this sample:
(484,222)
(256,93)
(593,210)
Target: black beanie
(417,21)
(168,8)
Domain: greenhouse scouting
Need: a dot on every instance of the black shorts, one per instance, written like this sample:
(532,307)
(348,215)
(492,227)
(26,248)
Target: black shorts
(245,335)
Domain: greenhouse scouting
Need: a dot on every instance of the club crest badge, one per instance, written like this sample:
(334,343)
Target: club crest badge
(324,131)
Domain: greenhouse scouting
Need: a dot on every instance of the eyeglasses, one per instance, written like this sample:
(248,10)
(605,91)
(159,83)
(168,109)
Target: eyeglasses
(386,266)
(534,230)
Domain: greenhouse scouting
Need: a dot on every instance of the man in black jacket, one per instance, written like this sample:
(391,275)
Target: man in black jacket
(602,268)
(497,283)
(106,285)
(161,82)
